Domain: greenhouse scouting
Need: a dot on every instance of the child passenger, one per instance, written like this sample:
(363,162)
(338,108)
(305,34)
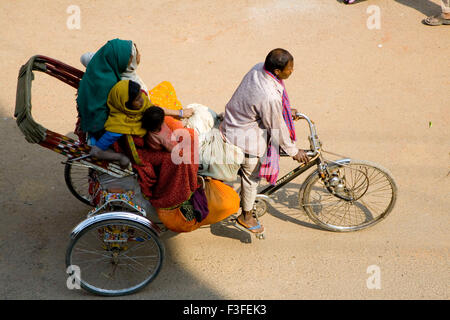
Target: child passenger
(126,104)
(158,133)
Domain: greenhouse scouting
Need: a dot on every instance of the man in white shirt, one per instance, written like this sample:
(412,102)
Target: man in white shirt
(260,108)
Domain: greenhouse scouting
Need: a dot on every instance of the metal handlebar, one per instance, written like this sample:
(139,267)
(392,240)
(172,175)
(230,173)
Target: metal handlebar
(313,138)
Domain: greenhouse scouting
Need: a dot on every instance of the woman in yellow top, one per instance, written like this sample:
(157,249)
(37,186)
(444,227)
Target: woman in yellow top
(126,104)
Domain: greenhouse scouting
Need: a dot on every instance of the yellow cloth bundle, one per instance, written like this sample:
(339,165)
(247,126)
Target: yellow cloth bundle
(164,96)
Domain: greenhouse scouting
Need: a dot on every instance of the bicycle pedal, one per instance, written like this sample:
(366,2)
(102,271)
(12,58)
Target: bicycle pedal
(260,236)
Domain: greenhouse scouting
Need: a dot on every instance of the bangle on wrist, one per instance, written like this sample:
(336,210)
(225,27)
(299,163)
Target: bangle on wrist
(181,113)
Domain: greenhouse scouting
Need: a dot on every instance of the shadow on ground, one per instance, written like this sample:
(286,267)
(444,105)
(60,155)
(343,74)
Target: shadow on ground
(426,7)
(285,207)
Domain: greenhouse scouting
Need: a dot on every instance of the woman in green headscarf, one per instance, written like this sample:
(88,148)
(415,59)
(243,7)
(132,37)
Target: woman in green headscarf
(162,95)
(102,73)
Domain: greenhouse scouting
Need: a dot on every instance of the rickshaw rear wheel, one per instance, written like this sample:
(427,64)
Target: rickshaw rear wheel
(78,179)
(115,257)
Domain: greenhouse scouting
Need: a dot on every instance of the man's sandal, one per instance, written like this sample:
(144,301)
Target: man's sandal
(251,229)
(437,20)
(245,227)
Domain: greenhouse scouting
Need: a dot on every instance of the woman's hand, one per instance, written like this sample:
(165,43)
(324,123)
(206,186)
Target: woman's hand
(187,112)
(182,113)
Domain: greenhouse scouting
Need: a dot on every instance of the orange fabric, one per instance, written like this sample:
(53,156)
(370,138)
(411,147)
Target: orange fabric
(223,201)
(164,96)
(174,220)
(173,123)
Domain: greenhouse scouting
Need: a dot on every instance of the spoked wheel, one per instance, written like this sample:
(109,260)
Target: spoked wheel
(80,180)
(357,195)
(116,256)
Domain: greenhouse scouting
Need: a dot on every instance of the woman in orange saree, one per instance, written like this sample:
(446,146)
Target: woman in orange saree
(172,185)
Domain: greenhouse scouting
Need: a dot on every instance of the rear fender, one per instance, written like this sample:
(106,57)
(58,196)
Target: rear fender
(115,215)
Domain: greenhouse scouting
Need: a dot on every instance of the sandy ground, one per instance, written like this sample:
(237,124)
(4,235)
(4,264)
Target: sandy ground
(373,94)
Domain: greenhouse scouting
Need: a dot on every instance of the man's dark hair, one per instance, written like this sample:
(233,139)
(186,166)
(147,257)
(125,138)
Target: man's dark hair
(134,89)
(153,118)
(277,59)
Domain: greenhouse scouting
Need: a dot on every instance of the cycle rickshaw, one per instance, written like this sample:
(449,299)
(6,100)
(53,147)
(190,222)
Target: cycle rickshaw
(117,247)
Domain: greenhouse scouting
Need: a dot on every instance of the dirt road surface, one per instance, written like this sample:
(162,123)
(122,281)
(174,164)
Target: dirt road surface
(375,94)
